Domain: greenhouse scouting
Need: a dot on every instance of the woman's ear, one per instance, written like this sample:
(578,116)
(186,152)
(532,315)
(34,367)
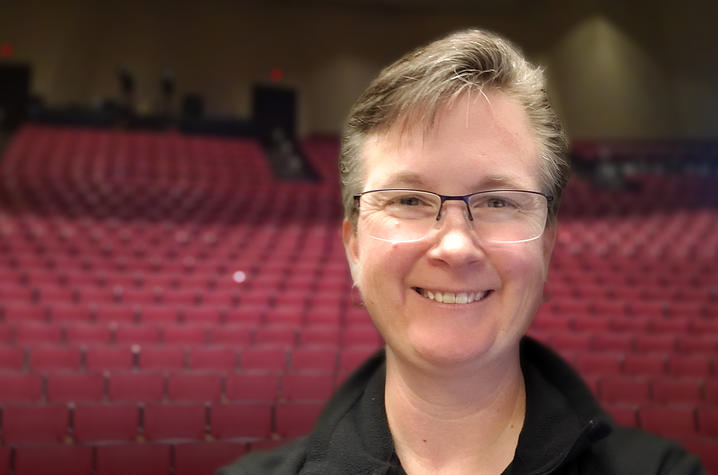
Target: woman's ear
(351,248)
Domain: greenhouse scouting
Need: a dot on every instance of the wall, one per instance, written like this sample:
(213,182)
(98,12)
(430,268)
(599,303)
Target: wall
(615,71)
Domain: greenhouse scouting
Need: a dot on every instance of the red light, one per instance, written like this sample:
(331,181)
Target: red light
(277,74)
(5,50)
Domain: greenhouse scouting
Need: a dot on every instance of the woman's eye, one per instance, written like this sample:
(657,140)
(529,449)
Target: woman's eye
(409,201)
(496,203)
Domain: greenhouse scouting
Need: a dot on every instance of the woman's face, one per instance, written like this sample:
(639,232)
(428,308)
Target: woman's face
(479,143)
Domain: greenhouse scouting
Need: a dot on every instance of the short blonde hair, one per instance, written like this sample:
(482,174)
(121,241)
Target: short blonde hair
(414,88)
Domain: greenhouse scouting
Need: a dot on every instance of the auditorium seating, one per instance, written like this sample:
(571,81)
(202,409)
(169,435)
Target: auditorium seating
(167,305)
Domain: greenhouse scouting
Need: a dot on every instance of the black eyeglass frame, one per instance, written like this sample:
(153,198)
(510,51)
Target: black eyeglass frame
(444,198)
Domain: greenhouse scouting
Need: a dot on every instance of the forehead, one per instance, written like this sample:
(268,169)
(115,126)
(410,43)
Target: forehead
(478,141)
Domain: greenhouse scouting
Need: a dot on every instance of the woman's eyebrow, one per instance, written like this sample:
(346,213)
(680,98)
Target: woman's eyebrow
(499,181)
(410,179)
(405,178)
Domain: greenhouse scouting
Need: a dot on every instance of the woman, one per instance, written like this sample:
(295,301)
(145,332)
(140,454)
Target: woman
(452,167)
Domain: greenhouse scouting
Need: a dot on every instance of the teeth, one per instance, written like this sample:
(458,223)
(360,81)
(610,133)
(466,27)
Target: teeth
(451,297)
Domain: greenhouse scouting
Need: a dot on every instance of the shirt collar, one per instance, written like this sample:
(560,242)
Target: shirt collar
(562,420)
(562,417)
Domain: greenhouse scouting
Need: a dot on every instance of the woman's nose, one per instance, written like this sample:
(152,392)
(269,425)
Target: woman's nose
(456,241)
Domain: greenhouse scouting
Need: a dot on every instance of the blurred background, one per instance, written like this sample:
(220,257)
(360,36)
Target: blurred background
(616,69)
(173,288)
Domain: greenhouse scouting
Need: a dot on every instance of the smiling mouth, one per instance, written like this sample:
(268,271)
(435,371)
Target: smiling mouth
(453,297)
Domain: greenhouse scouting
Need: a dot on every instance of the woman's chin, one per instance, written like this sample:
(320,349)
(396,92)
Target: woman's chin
(447,354)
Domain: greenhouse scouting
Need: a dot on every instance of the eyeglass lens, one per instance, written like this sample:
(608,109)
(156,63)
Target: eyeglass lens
(409,215)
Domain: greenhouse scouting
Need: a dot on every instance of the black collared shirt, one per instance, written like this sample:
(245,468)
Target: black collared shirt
(565,431)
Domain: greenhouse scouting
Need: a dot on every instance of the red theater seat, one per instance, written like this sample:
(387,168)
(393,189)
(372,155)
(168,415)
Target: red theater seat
(185,334)
(205,458)
(33,334)
(698,365)
(241,420)
(668,421)
(195,386)
(118,314)
(649,364)
(88,334)
(263,358)
(96,295)
(162,358)
(600,364)
(308,385)
(159,314)
(105,422)
(324,309)
(711,391)
(135,459)
(101,358)
(612,341)
(136,387)
(75,387)
(205,315)
(185,297)
(668,325)
(5,334)
(4,460)
(287,315)
(237,335)
(20,387)
(49,358)
(623,414)
(226,298)
(708,421)
(142,296)
(571,340)
(12,358)
(36,424)
(626,390)
(360,335)
(319,335)
(23,312)
(52,293)
(321,358)
(593,323)
(174,421)
(648,308)
(631,323)
(13,294)
(140,334)
(276,334)
(213,357)
(668,390)
(356,315)
(252,386)
(291,298)
(55,459)
(655,342)
(706,344)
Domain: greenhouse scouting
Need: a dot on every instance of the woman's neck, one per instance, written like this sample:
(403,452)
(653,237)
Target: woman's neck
(456,421)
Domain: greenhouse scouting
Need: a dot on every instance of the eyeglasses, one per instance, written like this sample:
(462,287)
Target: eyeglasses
(499,216)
